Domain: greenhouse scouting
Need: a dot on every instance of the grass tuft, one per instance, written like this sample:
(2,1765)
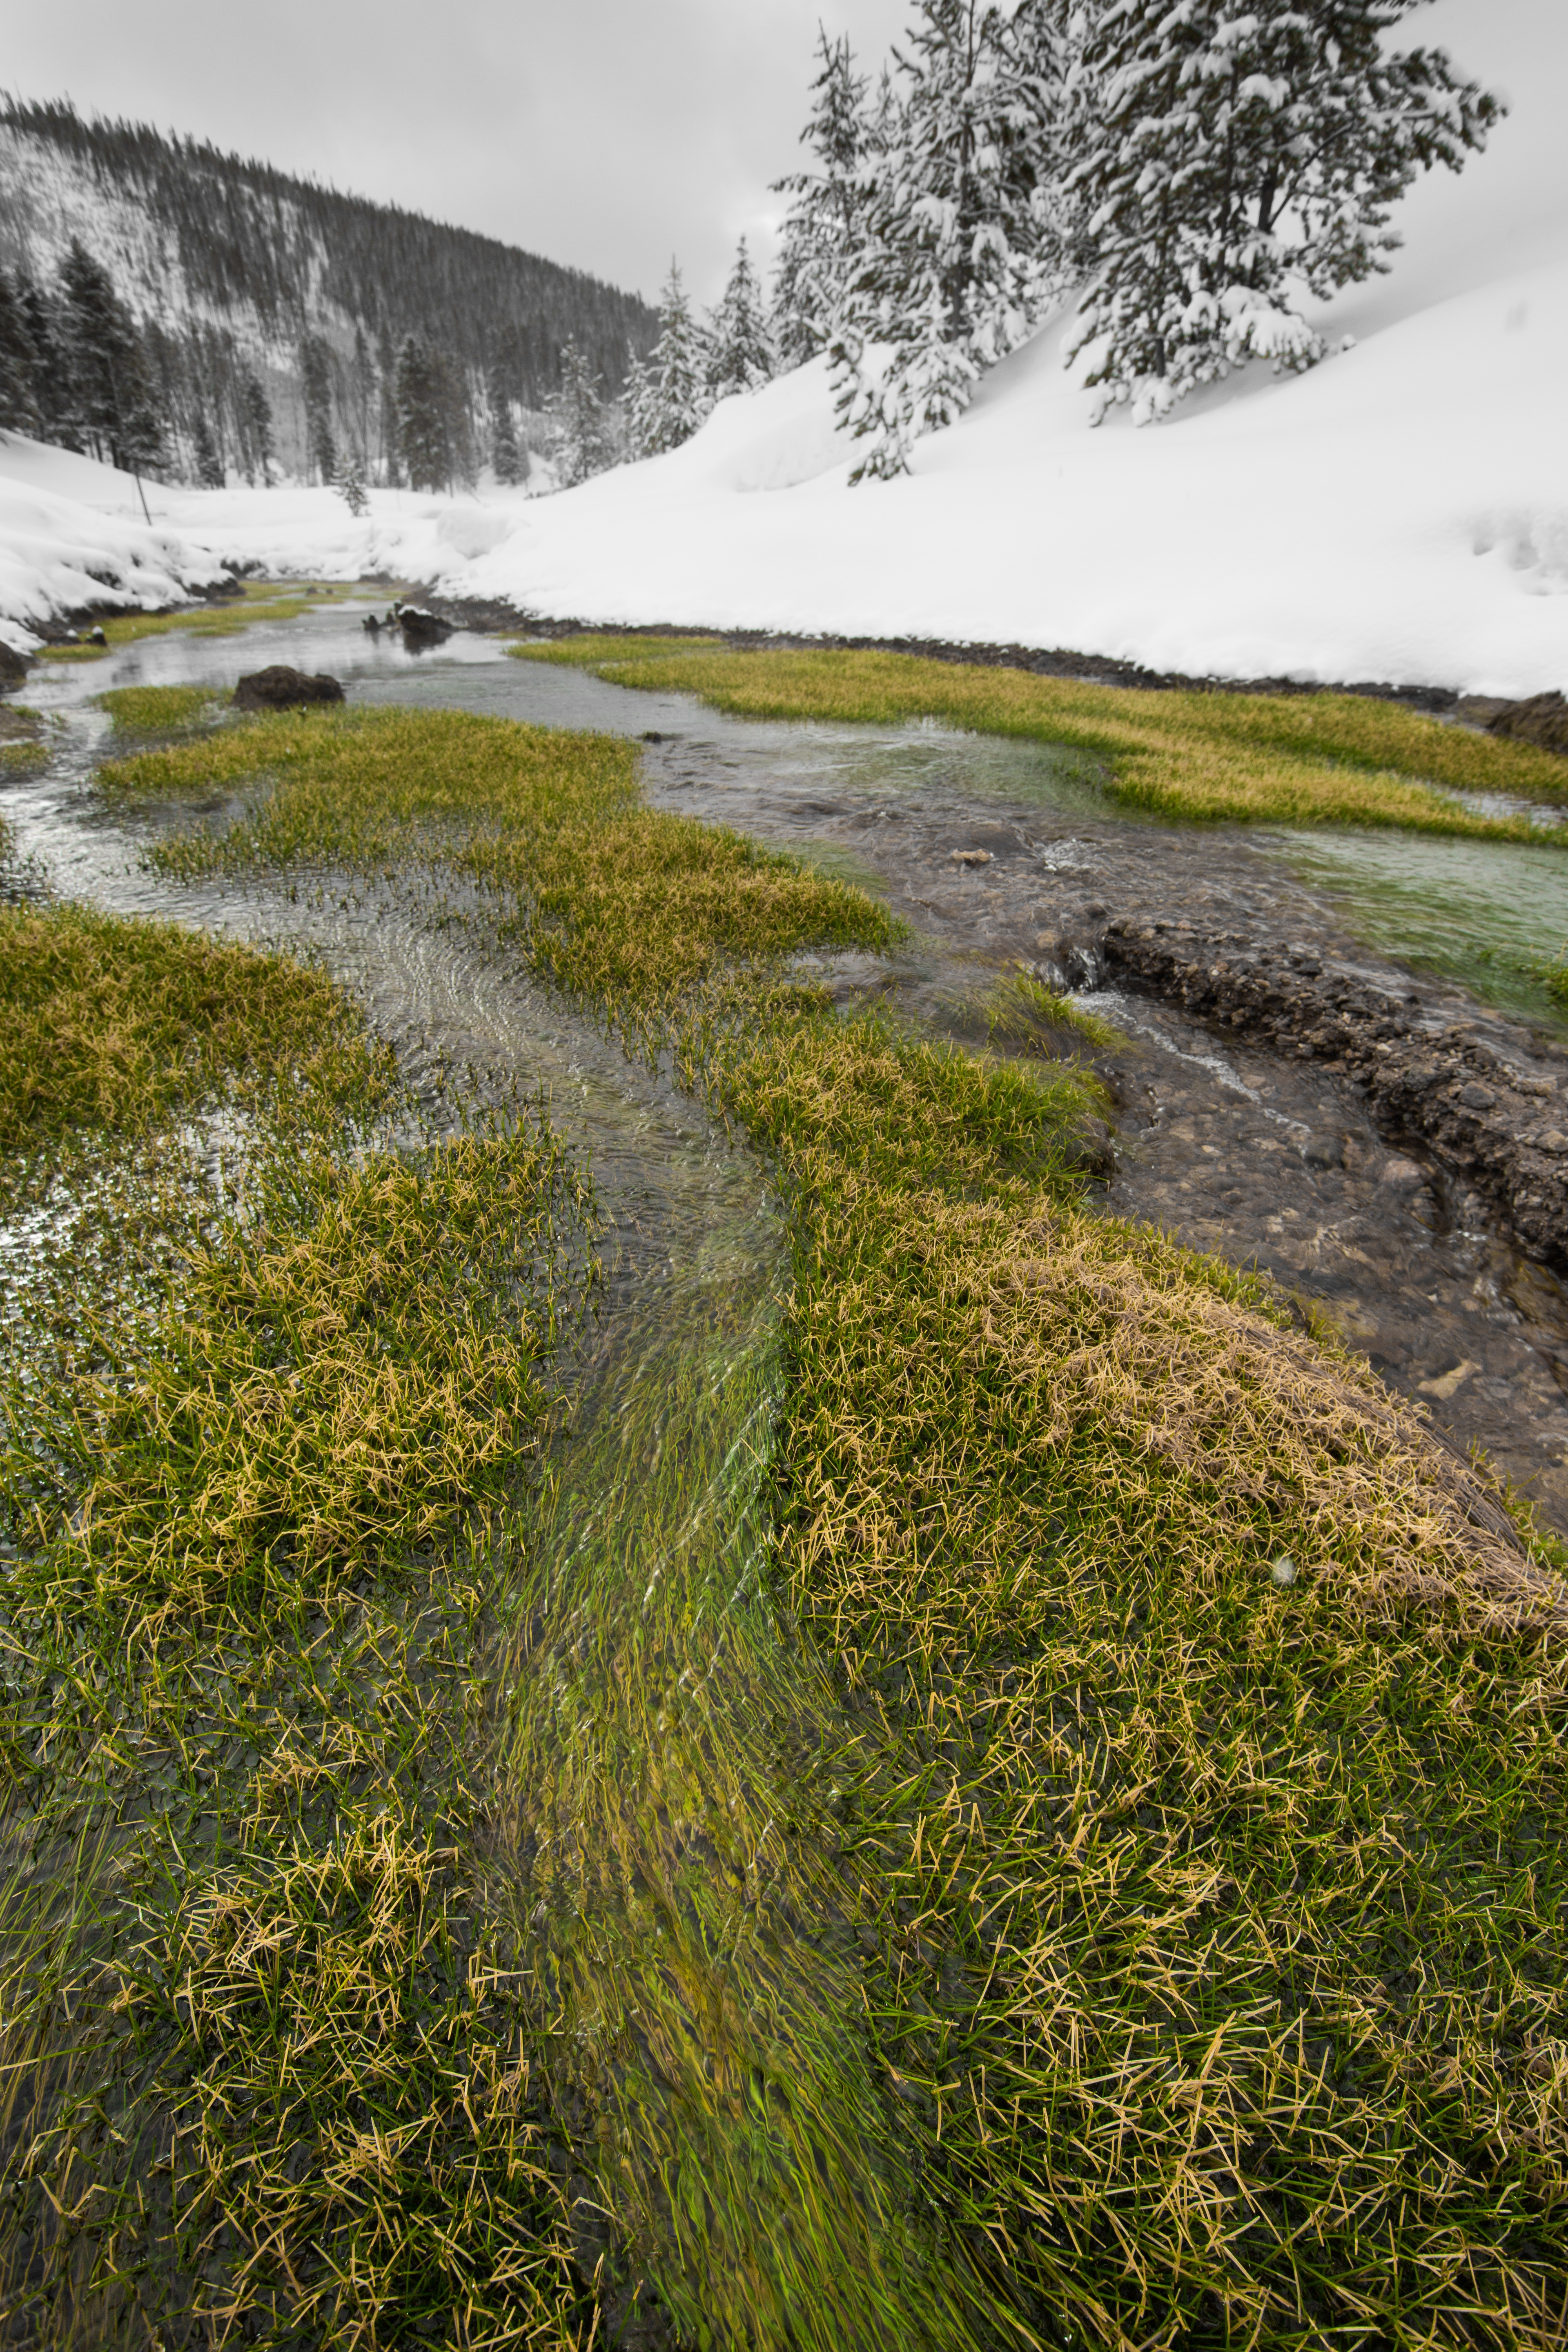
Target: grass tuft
(259,600)
(272,1357)
(1328,759)
(161,709)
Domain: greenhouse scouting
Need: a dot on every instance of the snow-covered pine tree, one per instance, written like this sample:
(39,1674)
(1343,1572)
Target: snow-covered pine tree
(823,228)
(740,352)
(112,406)
(256,420)
(670,397)
(350,483)
(203,450)
(316,376)
(948,280)
(1230,158)
(53,395)
(510,465)
(423,424)
(18,358)
(577,422)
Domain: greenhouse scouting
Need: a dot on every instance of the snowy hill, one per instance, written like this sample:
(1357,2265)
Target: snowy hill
(228,266)
(1399,513)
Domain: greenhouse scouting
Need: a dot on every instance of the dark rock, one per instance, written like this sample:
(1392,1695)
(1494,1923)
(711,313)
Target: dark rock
(1542,721)
(421,628)
(13,668)
(281,689)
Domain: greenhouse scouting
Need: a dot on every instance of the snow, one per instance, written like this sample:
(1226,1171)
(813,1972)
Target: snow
(1399,512)
(72,534)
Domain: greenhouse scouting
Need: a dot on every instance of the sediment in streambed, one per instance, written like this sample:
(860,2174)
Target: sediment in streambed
(1499,1118)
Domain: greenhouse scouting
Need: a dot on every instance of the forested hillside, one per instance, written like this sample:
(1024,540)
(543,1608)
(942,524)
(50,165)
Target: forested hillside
(274,313)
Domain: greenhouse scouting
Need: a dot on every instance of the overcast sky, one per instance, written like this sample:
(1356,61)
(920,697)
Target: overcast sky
(603,134)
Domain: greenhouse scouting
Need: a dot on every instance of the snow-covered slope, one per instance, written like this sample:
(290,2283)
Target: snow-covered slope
(73,535)
(1399,513)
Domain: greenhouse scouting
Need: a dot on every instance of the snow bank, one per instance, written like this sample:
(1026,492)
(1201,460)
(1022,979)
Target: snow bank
(72,534)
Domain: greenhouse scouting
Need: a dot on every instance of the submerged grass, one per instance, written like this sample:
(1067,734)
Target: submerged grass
(22,748)
(270,1362)
(161,709)
(258,600)
(1323,759)
(1186,1852)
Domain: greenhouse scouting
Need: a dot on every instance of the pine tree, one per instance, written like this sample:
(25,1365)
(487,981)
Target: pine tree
(363,379)
(53,394)
(741,355)
(350,483)
(824,228)
(112,397)
(507,459)
(948,280)
(1227,158)
(316,376)
(670,397)
(423,416)
(209,465)
(18,361)
(576,413)
(256,415)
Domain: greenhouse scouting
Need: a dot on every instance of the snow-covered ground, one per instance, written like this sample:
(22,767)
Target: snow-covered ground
(1399,513)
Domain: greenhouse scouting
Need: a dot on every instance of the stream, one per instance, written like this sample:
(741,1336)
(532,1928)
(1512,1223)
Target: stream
(654,1722)
(1230,1146)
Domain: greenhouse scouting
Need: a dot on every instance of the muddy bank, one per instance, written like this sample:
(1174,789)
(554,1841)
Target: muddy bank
(1495,1115)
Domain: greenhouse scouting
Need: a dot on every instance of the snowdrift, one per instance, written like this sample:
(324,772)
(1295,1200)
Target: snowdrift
(73,535)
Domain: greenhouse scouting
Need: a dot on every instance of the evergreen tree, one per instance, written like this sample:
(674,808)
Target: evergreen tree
(112,397)
(510,465)
(424,420)
(824,228)
(1230,156)
(578,425)
(740,354)
(947,280)
(671,395)
(18,361)
(316,377)
(256,416)
(363,382)
(53,395)
(209,465)
(351,483)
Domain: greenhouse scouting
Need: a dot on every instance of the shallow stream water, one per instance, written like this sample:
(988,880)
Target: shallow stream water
(1236,1150)
(657,1704)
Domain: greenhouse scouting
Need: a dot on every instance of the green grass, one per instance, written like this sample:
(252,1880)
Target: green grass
(1177,1782)
(22,749)
(112,1026)
(259,600)
(161,709)
(256,1424)
(1328,759)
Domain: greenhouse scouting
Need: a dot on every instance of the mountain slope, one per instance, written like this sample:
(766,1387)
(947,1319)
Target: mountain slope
(230,266)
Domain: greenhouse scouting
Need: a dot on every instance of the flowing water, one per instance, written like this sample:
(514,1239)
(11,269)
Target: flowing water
(664,1835)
